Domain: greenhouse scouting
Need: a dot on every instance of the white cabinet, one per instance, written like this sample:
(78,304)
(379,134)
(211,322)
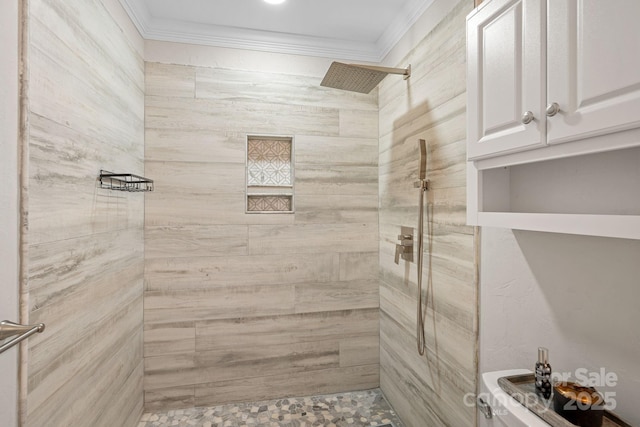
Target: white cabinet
(585,58)
(570,169)
(593,71)
(505,60)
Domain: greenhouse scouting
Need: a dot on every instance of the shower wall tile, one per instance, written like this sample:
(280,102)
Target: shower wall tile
(250,86)
(245,307)
(193,178)
(323,179)
(223,302)
(343,325)
(170,398)
(85,254)
(196,241)
(169,338)
(282,359)
(164,112)
(64,199)
(204,273)
(429,389)
(343,295)
(359,123)
(355,265)
(179,209)
(312,238)
(189,145)
(240,362)
(295,384)
(169,80)
(175,370)
(336,209)
(323,150)
(364,350)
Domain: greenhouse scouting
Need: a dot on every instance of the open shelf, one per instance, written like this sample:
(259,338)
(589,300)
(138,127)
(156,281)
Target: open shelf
(619,226)
(125,182)
(595,194)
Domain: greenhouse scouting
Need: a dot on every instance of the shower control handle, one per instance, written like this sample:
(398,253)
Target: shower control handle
(404,249)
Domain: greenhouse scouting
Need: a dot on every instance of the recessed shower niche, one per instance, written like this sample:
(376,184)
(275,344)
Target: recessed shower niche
(269,174)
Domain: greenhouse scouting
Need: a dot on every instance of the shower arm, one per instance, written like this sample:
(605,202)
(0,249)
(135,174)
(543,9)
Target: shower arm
(405,72)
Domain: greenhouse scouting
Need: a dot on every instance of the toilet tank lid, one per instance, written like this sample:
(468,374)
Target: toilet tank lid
(500,401)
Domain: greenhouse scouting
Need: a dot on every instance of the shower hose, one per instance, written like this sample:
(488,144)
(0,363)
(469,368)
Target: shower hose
(422,307)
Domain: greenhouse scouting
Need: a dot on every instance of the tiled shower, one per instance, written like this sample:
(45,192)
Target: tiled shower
(180,297)
(248,305)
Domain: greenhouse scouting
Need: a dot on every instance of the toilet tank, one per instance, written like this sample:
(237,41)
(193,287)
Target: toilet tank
(506,411)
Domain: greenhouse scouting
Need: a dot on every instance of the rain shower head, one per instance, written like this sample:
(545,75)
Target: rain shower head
(359,78)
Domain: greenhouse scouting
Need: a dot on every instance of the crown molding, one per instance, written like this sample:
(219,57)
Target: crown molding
(400,25)
(214,35)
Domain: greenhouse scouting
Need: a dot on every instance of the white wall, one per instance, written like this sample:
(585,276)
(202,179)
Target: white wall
(576,295)
(8,201)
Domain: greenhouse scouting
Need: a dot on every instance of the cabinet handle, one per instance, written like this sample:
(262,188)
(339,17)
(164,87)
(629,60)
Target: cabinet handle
(527,118)
(552,109)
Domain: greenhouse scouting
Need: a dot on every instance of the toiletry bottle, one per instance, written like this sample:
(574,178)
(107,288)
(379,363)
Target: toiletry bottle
(543,373)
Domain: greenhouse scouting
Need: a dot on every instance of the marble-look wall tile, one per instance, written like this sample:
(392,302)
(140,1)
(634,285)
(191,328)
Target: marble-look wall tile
(312,238)
(237,302)
(195,241)
(205,273)
(163,112)
(85,259)
(332,209)
(251,86)
(358,123)
(225,302)
(169,338)
(430,389)
(343,295)
(297,384)
(188,145)
(323,150)
(204,177)
(301,327)
(319,180)
(169,80)
(364,350)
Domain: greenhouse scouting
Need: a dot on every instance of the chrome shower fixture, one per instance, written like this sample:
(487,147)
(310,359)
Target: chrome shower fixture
(359,78)
(423,182)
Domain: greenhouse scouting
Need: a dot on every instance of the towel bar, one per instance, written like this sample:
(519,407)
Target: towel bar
(9,329)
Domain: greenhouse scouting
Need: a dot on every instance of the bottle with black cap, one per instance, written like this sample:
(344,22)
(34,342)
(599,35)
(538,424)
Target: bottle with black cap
(543,373)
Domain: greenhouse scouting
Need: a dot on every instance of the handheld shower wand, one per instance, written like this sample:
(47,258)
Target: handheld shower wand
(423,185)
(423,160)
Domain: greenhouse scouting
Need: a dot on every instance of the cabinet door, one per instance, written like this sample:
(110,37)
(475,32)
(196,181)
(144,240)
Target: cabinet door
(505,77)
(593,67)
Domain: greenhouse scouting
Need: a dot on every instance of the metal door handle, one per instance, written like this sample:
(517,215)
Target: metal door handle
(527,117)
(553,109)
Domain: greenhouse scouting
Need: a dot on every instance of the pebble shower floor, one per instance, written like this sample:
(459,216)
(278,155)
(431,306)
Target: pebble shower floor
(357,409)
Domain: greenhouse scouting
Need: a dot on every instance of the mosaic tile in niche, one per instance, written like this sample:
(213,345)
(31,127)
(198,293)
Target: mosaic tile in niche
(269,162)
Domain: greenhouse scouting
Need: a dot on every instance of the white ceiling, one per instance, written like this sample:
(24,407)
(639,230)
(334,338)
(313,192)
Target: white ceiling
(362,30)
